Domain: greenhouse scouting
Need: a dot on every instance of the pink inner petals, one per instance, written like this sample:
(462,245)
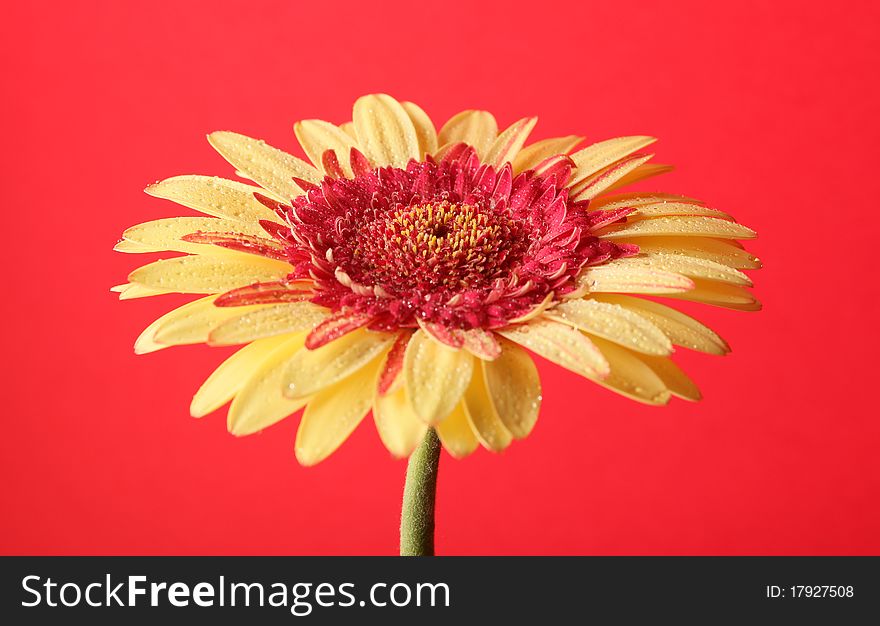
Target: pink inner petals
(452,244)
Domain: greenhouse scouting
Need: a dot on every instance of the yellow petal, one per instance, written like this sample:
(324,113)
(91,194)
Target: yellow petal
(132,291)
(718,250)
(214,196)
(130,247)
(269,167)
(318,136)
(456,434)
(165,234)
(146,341)
(656,205)
(260,403)
(436,376)
(399,428)
(348,129)
(675,380)
(275,319)
(425,130)
(510,142)
(612,322)
(639,198)
(664,209)
(681,329)
(310,371)
(679,227)
(475,128)
(514,389)
(481,415)
(481,343)
(228,379)
(630,376)
(559,343)
(600,155)
(686,266)
(719,294)
(640,173)
(384,130)
(209,273)
(532,155)
(200,308)
(603,180)
(622,278)
(193,322)
(333,415)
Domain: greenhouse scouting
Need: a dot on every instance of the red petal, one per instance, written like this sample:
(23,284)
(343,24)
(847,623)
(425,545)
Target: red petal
(281,232)
(238,241)
(360,164)
(452,337)
(280,209)
(600,219)
(558,166)
(331,164)
(393,363)
(304,184)
(504,184)
(266,293)
(336,326)
(455,152)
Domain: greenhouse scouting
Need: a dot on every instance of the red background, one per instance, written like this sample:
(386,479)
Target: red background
(768,110)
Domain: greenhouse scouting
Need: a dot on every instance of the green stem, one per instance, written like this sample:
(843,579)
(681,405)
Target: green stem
(419,494)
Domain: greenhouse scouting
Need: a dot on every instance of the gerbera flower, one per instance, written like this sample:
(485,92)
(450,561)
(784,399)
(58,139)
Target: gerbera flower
(412,272)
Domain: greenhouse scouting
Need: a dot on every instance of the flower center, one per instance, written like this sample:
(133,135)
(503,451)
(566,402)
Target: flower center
(433,247)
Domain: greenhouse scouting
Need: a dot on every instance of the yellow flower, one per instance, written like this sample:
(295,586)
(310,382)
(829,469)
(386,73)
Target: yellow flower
(410,272)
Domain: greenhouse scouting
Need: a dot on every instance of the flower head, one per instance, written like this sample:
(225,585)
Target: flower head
(452,242)
(406,270)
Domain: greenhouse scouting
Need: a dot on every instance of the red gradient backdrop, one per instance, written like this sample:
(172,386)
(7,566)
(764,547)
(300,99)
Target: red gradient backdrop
(769,110)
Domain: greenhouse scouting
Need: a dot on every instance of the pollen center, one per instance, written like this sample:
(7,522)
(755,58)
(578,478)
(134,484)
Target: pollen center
(434,246)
